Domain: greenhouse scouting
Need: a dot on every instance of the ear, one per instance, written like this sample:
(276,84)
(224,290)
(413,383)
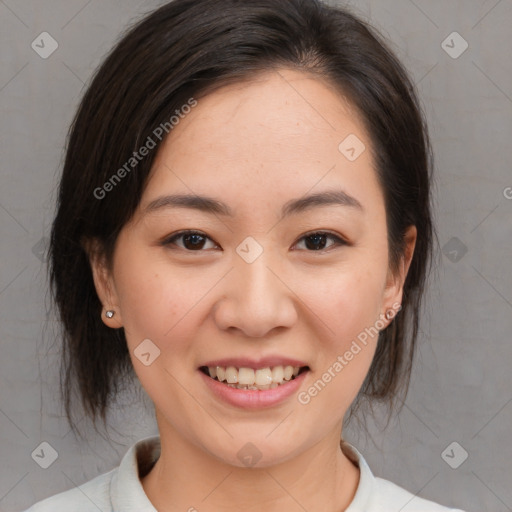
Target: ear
(103,282)
(395,282)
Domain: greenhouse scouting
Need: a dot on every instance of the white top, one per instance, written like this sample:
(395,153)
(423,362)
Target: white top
(120,490)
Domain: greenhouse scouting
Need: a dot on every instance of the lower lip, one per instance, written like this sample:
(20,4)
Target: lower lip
(252,398)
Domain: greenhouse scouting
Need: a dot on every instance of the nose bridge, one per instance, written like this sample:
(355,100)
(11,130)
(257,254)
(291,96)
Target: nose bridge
(256,281)
(252,262)
(257,301)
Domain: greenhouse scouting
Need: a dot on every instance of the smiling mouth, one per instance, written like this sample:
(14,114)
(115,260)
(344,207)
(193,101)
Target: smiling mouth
(248,378)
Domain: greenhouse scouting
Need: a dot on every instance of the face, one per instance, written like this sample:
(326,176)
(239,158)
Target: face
(266,280)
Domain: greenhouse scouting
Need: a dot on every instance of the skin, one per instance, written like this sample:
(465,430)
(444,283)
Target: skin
(255,146)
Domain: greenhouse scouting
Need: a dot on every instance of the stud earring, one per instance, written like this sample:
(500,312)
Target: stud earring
(109,313)
(391,313)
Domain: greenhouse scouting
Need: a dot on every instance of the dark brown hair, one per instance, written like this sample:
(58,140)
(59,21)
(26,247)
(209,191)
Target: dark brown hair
(189,48)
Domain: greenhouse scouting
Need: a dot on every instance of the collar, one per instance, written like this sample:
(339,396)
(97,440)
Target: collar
(127,493)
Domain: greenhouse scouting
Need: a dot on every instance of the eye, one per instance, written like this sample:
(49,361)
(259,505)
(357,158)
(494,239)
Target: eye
(192,240)
(196,241)
(316,241)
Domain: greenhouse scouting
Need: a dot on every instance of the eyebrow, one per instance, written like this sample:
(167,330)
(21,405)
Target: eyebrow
(214,206)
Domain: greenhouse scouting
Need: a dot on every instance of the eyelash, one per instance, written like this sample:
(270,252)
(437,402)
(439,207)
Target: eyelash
(170,240)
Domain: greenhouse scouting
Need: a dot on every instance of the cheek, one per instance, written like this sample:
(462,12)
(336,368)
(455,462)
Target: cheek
(345,300)
(151,299)
(355,306)
(346,303)
(158,305)
(161,302)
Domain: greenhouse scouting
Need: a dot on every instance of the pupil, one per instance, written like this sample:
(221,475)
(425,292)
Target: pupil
(197,241)
(317,238)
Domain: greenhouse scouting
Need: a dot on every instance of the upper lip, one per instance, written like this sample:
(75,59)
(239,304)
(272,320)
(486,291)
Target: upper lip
(264,362)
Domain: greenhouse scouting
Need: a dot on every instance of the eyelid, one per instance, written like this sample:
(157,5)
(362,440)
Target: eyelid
(339,240)
(168,240)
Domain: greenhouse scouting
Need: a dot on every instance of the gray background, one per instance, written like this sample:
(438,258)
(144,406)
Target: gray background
(461,388)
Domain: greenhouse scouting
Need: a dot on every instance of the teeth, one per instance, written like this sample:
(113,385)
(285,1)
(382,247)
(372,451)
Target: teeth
(263,376)
(231,375)
(277,374)
(248,378)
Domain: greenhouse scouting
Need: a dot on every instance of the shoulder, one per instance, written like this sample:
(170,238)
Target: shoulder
(391,497)
(375,494)
(119,489)
(91,496)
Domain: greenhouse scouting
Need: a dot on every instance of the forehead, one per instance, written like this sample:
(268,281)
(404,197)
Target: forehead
(275,109)
(278,134)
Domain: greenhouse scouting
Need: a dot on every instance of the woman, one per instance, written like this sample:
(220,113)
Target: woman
(243,221)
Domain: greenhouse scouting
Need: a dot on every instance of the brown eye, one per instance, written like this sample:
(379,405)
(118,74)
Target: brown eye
(191,240)
(317,241)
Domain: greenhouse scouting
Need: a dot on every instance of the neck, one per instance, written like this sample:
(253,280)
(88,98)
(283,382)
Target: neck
(186,477)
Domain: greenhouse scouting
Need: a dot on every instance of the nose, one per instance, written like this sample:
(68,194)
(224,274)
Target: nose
(256,298)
